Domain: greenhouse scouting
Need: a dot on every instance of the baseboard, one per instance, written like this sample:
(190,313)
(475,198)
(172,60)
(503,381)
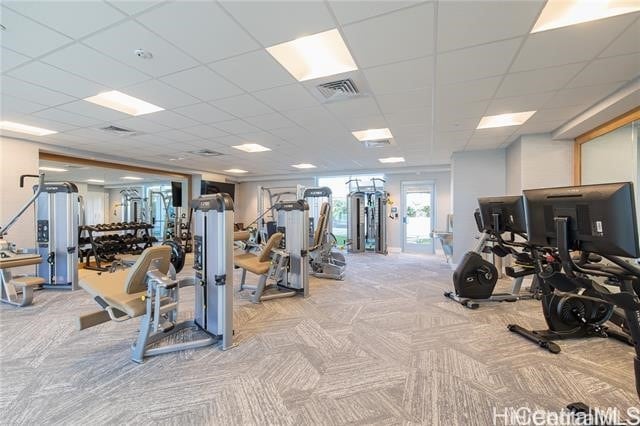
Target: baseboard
(394,249)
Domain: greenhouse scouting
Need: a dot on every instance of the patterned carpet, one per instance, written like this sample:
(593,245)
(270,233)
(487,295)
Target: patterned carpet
(382,347)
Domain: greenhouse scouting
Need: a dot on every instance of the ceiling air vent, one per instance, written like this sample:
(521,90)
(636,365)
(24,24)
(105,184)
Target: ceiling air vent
(377,144)
(207,153)
(338,89)
(120,131)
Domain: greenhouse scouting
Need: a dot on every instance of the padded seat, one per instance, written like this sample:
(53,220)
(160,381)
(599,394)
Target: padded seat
(241,235)
(124,290)
(252,264)
(27,281)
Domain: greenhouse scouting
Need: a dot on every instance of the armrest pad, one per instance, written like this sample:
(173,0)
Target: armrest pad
(158,279)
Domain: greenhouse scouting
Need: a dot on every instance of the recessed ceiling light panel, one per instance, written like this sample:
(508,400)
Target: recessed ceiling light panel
(562,13)
(504,120)
(303,166)
(123,103)
(391,160)
(251,147)
(131,178)
(372,134)
(95,180)
(52,169)
(315,56)
(236,171)
(23,128)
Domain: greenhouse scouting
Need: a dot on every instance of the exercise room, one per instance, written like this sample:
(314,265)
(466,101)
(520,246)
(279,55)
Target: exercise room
(322,212)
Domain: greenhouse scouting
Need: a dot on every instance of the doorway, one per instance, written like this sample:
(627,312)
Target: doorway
(418,210)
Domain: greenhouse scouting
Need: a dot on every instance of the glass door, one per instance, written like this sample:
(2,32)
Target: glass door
(418,210)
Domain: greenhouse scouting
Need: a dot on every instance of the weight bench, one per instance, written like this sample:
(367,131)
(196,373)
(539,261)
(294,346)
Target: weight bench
(262,265)
(149,289)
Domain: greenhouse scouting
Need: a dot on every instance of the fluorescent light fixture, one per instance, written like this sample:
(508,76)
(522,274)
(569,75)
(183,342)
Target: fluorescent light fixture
(123,103)
(23,128)
(131,178)
(391,160)
(303,166)
(236,171)
(95,180)
(52,169)
(314,56)
(504,120)
(562,13)
(251,147)
(372,134)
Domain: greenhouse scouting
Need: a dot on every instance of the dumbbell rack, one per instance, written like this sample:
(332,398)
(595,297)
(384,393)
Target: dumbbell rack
(104,248)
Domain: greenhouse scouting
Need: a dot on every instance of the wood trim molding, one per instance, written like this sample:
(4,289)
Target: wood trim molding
(610,126)
(607,127)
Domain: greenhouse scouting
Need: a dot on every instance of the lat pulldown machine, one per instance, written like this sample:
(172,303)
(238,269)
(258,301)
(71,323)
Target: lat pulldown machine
(367,218)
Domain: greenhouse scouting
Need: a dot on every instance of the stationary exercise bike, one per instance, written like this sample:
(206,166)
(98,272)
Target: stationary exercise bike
(475,278)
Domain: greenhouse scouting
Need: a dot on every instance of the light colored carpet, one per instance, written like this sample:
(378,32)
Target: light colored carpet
(382,347)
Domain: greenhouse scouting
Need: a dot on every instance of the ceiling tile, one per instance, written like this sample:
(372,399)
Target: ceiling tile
(72,18)
(171,119)
(392,102)
(312,117)
(397,36)
(30,92)
(469,91)
(287,20)
(457,124)
(284,98)
(205,132)
(236,127)
(358,107)
(607,70)
(476,62)
(555,114)
(585,96)
(120,42)
(368,122)
(55,79)
(531,102)
(628,42)
(132,7)
(202,83)
(24,36)
(10,105)
(161,94)
(88,63)
(204,113)
(270,121)
(570,44)
(409,117)
(400,76)
(536,81)
(242,106)
(11,59)
(62,116)
(140,124)
(468,23)
(241,71)
(94,111)
(351,11)
(40,122)
(210,34)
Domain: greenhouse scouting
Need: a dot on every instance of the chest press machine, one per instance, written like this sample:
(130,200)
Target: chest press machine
(150,288)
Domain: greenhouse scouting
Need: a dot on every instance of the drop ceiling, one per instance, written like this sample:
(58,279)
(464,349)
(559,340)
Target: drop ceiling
(419,63)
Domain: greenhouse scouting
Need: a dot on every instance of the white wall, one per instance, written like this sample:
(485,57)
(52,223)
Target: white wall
(514,168)
(546,162)
(620,151)
(17,158)
(474,174)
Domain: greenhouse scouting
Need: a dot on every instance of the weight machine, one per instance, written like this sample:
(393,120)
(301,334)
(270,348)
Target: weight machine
(268,197)
(367,218)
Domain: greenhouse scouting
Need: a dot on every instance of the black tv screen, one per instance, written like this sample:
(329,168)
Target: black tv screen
(208,187)
(176,194)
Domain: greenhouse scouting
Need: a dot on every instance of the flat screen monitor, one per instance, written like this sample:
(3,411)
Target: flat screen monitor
(208,187)
(176,194)
(510,211)
(601,218)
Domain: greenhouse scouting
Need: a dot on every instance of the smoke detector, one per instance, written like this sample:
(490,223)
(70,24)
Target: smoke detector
(339,89)
(141,53)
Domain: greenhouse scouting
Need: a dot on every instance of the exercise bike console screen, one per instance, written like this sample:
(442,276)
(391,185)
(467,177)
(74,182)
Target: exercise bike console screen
(601,218)
(510,211)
